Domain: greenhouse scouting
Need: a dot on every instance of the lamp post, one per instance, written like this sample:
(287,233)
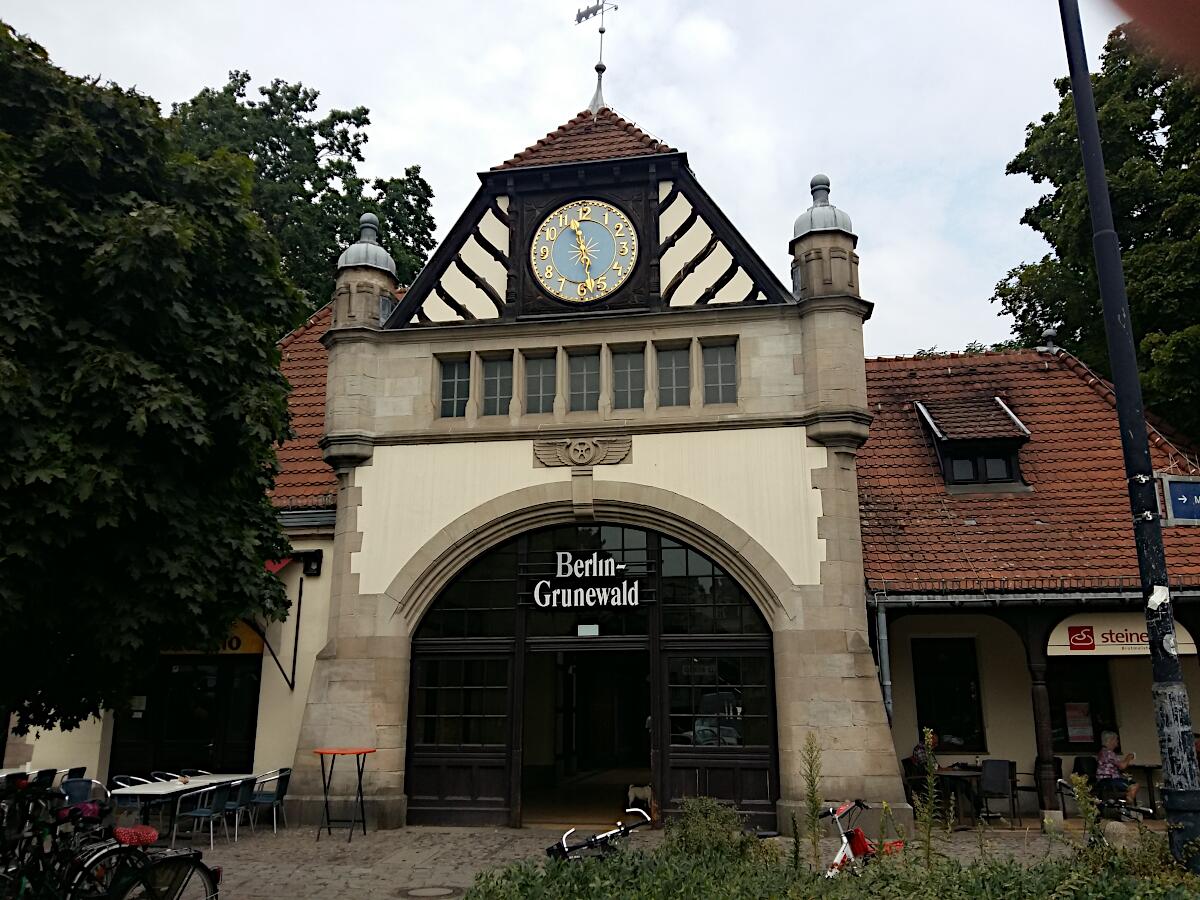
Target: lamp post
(1181,776)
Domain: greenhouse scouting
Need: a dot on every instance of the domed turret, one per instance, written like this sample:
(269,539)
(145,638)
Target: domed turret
(367,251)
(822,215)
(364,291)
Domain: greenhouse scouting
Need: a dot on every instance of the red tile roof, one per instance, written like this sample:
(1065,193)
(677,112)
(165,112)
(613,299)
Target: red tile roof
(305,479)
(971,418)
(1071,532)
(604,135)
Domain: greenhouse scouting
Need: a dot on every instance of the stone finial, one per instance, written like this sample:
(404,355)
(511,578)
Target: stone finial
(1049,336)
(823,240)
(366,280)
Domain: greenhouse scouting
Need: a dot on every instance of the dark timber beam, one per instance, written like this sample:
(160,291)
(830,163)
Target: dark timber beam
(476,280)
(683,229)
(461,311)
(716,286)
(689,268)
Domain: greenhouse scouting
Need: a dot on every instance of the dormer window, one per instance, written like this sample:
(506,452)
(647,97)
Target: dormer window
(977,441)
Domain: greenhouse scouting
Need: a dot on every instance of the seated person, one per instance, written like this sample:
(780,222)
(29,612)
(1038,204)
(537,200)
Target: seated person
(1110,768)
(922,756)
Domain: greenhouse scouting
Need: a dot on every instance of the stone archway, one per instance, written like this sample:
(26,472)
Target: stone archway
(430,569)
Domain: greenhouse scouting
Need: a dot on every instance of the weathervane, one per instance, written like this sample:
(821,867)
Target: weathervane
(582,15)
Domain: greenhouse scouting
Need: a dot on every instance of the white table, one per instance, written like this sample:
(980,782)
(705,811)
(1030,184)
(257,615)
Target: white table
(167,790)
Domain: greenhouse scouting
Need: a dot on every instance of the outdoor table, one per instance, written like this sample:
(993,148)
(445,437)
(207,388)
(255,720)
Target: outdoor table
(964,780)
(168,791)
(360,763)
(1149,769)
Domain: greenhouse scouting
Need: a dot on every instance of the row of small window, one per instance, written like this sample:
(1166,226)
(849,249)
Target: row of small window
(583,385)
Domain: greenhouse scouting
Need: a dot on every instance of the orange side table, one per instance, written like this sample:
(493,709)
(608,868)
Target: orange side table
(360,763)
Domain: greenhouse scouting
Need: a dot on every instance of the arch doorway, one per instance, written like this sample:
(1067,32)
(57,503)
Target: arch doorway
(572,667)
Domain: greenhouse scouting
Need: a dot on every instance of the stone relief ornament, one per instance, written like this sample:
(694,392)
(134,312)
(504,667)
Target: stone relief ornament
(582,451)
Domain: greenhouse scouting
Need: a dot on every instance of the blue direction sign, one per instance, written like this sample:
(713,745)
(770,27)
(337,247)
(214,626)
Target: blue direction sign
(1183,498)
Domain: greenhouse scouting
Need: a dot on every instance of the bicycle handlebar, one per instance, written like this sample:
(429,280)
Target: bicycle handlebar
(845,807)
(562,850)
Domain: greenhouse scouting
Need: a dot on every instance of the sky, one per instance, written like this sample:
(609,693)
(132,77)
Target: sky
(913,109)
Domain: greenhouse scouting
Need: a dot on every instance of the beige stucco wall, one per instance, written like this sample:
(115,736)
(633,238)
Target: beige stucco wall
(1006,698)
(87,745)
(280,710)
(1003,677)
(409,493)
(780,512)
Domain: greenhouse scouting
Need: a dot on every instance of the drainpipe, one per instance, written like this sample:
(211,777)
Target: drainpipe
(885,659)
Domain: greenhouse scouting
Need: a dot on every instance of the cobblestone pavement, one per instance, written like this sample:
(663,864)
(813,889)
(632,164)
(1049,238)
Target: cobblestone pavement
(442,862)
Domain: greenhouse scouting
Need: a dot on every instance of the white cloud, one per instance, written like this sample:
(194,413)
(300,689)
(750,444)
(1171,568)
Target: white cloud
(912,109)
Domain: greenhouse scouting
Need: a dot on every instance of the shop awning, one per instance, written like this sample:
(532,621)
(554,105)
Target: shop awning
(1109,634)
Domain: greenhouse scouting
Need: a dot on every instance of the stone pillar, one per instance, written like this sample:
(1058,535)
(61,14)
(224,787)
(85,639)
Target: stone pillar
(358,696)
(825,675)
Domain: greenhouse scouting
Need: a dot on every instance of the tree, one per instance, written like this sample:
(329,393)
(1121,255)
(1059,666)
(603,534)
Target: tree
(140,392)
(307,188)
(1150,124)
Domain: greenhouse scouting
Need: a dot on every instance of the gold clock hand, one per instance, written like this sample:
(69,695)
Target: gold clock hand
(583,255)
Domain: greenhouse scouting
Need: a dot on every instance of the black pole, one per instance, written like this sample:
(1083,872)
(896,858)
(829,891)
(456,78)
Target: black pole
(1181,777)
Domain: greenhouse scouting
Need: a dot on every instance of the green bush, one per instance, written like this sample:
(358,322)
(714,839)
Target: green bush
(706,854)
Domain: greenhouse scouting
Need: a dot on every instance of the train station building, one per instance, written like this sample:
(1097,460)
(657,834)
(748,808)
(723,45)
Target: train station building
(599,507)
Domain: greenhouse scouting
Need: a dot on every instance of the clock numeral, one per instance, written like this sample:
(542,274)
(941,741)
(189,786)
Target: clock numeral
(606,217)
(552,233)
(562,283)
(583,289)
(549,271)
(544,252)
(618,228)
(624,250)
(585,212)
(562,220)
(617,268)
(601,284)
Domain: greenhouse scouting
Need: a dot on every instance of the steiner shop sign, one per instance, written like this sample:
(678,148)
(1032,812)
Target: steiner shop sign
(1108,634)
(585,581)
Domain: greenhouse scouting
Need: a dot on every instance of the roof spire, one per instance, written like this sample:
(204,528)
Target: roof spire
(582,15)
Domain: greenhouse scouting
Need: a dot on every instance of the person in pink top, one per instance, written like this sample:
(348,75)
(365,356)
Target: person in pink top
(1110,768)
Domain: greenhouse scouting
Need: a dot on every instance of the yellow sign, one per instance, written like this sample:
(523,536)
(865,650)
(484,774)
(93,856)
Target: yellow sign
(242,639)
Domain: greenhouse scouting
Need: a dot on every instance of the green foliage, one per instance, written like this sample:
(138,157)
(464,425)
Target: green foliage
(1089,809)
(928,804)
(810,772)
(140,392)
(690,867)
(1150,127)
(307,187)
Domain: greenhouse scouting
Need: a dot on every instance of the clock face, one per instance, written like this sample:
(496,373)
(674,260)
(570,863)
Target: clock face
(583,251)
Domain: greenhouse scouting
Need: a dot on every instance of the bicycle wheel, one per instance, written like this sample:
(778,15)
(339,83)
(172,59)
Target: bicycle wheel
(94,871)
(177,877)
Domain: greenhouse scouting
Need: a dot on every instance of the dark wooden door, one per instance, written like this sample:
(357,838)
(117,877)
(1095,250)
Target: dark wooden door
(458,758)
(720,729)
(198,712)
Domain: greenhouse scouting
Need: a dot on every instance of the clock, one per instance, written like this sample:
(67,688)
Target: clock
(583,251)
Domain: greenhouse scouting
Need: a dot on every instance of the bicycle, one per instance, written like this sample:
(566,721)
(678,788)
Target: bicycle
(58,852)
(598,844)
(856,849)
(1125,812)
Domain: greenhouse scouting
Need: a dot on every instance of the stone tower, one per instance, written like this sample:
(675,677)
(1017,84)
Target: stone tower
(828,676)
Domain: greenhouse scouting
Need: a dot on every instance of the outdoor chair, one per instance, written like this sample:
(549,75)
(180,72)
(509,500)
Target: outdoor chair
(1032,787)
(190,772)
(79,790)
(211,802)
(128,804)
(270,791)
(44,778)
(241,801)
(914,777)
(998,781)
(164,776)
(13,780)
(76,772)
